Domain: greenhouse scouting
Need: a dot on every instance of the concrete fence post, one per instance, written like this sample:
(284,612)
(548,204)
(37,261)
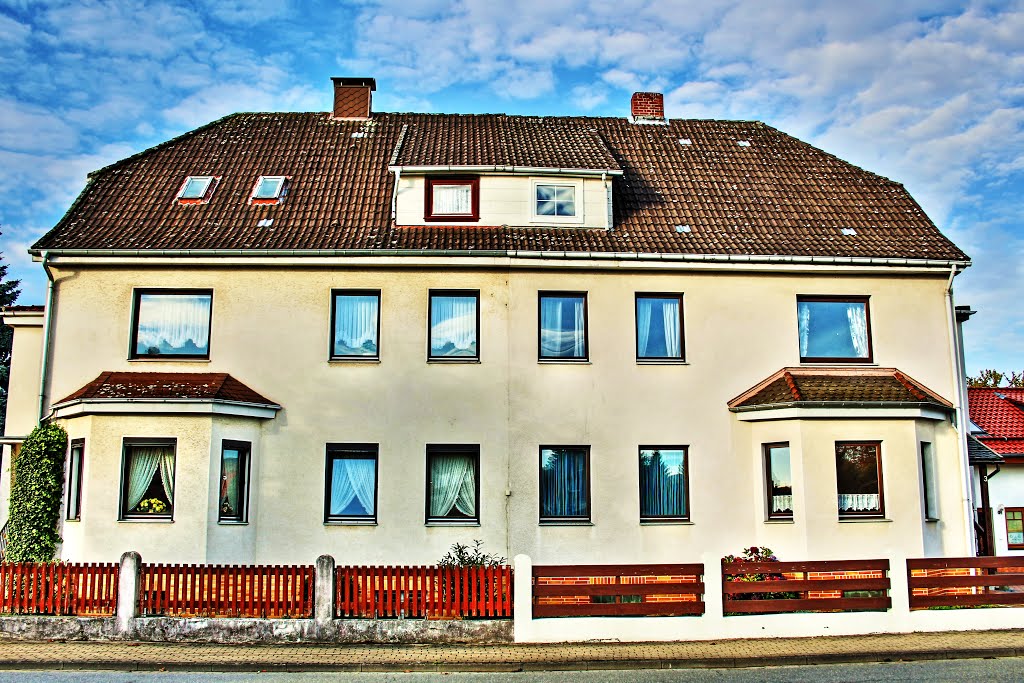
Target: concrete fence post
(128,587)
(323,596)
(522,599)
(899,592)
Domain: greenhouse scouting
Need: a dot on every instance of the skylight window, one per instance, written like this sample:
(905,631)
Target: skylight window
(270,189)
(197,189)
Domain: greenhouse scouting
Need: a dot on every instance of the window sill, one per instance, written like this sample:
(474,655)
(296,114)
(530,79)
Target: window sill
(230,523)
(564,361)
(76,519)
(665,522)
(348,361)
(661,361)
(565,522)
(352,522)
(837,364)
(453,361)
(862,520)
(139,520)
(443,524)
(167,359)
(931,520)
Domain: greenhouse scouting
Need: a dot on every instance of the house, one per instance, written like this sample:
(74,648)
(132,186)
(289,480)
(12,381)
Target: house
(374,335)
(997,453)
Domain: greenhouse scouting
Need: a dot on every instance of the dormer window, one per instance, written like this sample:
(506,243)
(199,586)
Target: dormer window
(557,202)
(270,189)
(197,189)
(452,199)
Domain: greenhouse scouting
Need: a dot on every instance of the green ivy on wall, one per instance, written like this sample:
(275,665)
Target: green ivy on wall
(36,489)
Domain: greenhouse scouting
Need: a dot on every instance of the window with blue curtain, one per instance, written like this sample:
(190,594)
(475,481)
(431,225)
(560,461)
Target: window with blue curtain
(454,324)
(351,489)
(565,483)
(663,485)
(563,325)
(659,332)
(356,323)
(834,329)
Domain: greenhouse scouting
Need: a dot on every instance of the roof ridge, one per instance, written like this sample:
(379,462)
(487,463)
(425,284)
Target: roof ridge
(791,383)
(910,386)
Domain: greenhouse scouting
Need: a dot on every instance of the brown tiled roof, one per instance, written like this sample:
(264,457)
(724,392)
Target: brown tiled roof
(210,386)
(35,308)
(775,196)
(851,386)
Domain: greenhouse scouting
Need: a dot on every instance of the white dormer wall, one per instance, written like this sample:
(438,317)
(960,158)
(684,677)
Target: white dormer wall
(509,199)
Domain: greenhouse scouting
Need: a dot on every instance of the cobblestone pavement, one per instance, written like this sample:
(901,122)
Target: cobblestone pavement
(510,657)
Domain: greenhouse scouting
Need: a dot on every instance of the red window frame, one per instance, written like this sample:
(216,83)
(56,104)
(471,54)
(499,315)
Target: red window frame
(428,200)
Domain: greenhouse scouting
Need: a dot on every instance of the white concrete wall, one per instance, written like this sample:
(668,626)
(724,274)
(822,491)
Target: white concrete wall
(1006,489)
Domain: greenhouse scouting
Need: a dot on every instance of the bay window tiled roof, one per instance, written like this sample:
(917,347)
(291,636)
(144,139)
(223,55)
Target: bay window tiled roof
(202,386)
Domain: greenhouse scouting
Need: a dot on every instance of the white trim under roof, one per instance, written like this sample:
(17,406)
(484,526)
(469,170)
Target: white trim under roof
(163,406)
(23,318)
(529,170)
(794,413)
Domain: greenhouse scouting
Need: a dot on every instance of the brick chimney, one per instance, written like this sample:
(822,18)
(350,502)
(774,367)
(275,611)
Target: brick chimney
(352,97)
(648,107)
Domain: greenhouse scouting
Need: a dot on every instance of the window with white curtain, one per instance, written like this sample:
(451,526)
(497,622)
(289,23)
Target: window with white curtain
(356,316)
(778,480)
(452,199)
(663,485)
(565,483)
(563,325)
(834,329)
(453,484)
(233,495)
(76,454)
(454,324)
(351,488)
(859,479)
(659,330)
(172,323)
(147,479)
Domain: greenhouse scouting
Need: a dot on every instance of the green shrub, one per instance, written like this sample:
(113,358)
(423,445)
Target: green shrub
(465,556)
(36,488)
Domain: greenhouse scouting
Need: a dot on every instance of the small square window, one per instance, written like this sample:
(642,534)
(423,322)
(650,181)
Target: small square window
(834,329)
(75,461)
(563,326)
(452,199)
(147,479)
(356,327)
(1014,528)
(778,480)
(565,483)
(659,329)
(453,484)
(197,189)
(859,479)
(454,325)
(351,488)
(270,189)
(233,498)
(171,323)
(555,200)
(663,483)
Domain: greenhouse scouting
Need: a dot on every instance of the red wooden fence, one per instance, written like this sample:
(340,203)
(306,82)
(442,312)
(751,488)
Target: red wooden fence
(55,588)
(780,587)
(650,590)
(438,592)
(965,582)
(258,591)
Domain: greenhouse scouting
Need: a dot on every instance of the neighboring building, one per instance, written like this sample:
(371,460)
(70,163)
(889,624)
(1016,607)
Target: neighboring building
(997,427)
(583,339)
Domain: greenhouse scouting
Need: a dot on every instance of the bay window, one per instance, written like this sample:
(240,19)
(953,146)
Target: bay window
(859,479)
(171,323)
(565,483)
(453,484)
(778,480)
(563,326)
(147,479)
(233,496)
(663,483)
(834,329)
(75,457)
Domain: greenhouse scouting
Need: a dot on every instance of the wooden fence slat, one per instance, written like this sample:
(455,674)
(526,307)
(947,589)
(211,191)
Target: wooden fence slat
(806,605)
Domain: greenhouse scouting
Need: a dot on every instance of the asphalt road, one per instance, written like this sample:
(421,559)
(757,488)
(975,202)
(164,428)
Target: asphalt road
(1001,670)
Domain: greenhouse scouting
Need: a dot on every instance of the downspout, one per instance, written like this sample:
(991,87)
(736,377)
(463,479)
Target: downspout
(960,380)
(45,364)
(394,195)
(609,214)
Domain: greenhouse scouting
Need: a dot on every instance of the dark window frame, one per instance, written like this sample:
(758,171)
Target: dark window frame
(928,482)
(430,315)
(242,447)
(686,484)
(335,293)
(1012,546)
(766,450)
(126,444)
(137,295)
(854,514)
(428,201)
(585,358)
(75,480)
(822,298)
(681,358)
(354,451)
(472,450)
(578,519)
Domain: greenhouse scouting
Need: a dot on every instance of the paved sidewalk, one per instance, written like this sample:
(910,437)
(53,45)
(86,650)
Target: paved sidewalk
(518,657)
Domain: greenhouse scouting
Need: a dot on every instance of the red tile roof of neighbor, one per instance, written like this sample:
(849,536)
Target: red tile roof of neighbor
(798,387)
(210,386)
(1000,412)
(776,196)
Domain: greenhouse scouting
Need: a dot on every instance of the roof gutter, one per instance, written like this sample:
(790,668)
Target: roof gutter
(496,168)
(840,404)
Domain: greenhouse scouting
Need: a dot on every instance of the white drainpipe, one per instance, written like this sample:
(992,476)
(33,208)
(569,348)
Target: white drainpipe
(959,377)
(45,365)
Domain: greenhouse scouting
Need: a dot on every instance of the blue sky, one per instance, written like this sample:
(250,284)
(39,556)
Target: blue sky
(929,93)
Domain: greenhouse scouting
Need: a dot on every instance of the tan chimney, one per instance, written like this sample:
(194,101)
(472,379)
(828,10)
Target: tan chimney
(648,106)
(352,97)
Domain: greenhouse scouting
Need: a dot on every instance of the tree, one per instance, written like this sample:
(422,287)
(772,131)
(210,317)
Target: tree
(994,378)
(8,295)
(36,489)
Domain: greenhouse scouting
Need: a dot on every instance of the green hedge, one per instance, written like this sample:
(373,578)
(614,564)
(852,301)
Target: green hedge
(36,490)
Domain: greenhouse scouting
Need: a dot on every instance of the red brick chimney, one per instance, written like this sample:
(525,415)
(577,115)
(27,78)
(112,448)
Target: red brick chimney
(352,97)
(648,106)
